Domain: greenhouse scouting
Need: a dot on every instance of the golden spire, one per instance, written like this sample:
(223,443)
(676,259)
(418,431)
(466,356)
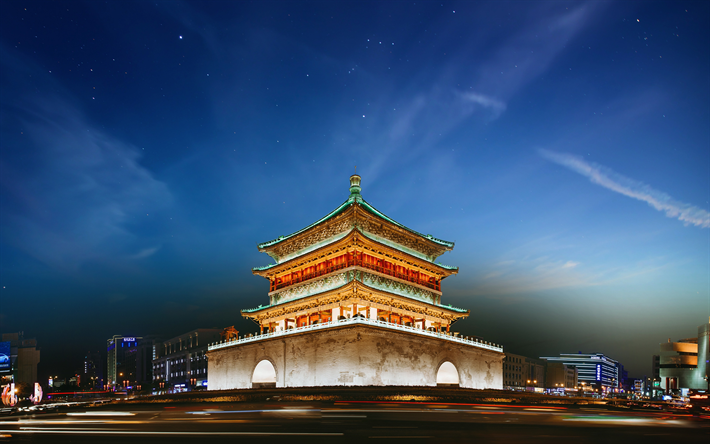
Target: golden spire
(355,183)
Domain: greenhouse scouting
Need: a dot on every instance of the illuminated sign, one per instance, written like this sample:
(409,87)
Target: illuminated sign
(5,361)
(599,372)
(129,339)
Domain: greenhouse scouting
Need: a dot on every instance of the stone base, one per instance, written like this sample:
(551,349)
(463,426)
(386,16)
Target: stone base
(354,355)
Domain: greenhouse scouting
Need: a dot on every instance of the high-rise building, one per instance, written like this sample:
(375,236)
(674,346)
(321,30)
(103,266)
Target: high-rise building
(93,371)
(129,361)
(594,370)
(23,358)
(355,299)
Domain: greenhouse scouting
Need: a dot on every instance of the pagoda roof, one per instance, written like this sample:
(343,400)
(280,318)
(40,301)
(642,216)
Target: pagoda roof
(270,266)
(355,199)
(265,307)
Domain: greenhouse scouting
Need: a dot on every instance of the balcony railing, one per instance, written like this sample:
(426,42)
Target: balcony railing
(353,321)
(360,263)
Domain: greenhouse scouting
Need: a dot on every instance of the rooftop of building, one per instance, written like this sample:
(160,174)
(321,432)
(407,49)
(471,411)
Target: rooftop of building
(355,198)
(195,332)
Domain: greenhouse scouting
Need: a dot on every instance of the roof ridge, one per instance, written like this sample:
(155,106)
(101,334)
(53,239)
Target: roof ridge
(355,199)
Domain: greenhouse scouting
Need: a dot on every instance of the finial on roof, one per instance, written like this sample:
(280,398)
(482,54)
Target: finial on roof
(355,183)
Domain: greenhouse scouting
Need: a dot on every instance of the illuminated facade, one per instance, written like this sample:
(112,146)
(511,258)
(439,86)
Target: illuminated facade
(355,272)
(180,364)
(129,361)
(685,364)
(594,370)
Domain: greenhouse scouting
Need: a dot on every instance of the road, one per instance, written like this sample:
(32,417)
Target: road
(314,422)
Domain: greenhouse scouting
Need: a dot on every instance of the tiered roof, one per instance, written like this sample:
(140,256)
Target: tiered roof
(355,200)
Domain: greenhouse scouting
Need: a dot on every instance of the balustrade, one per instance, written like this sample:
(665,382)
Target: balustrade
(435,285)
(355,320)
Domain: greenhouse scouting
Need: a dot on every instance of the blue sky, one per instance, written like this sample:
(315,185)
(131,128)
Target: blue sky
(146,148)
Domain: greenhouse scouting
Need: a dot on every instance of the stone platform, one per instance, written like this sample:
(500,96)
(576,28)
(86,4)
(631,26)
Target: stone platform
(353,352)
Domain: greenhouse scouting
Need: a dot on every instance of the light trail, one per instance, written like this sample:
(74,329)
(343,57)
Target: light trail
(167,433)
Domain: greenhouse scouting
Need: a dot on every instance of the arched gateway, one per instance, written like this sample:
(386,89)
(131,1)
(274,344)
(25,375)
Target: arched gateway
(264,375)
(447,375)
(355,299)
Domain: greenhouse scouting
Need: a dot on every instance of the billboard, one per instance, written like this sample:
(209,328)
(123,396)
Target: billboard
(5,361)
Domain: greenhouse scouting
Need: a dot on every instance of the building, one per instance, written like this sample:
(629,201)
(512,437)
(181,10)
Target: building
(355,299)
(19,358)
(656,367)
(561,376)
(684,364)
(180,363)
(93,372)
(521,372)
(595,371)
(129,362)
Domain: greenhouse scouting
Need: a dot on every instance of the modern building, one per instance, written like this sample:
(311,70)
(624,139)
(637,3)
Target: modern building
(656,367)
(521,372)
(355,299)
(684,363)
(93,371)
(19,358)
(129,362)
(561,376)
(180,363)
(595,371)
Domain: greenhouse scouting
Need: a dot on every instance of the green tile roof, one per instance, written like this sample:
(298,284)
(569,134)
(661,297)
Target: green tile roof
(356,199)
(415,253)
(260,307)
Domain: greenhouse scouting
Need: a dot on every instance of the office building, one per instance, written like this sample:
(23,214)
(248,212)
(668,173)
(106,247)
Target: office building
(180,363)
(129,362)
(19,357)
(684,365)
(595,371)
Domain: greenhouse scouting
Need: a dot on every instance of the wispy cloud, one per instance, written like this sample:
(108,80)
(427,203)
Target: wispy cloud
(424,113)
(85,192)
(495,105)
(529,275)
(146,252)
(607,178)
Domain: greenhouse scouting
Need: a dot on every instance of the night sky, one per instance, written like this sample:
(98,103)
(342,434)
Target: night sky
(147,147)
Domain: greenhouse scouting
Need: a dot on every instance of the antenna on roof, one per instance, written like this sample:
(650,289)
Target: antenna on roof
(355,169)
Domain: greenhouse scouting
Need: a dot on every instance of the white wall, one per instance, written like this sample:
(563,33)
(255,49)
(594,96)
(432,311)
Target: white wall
(354,355)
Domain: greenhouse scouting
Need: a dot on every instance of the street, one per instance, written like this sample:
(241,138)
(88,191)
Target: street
(352,421)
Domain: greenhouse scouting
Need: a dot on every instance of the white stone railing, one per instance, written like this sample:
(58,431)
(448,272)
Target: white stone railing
(353,321)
